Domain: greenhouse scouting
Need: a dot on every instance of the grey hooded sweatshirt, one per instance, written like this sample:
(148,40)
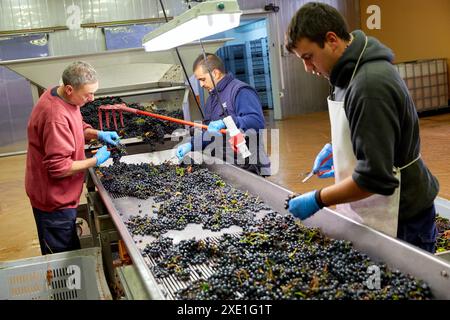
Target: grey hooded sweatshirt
(384,126)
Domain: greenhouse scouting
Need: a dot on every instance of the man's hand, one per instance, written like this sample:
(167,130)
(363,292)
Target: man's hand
(215,126)
(323,165)
(304,205)
(110,137)
(183,150)
(102,155)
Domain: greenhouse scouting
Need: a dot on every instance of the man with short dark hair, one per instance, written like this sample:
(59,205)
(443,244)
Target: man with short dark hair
(56,161)
(242,104)
(381,179)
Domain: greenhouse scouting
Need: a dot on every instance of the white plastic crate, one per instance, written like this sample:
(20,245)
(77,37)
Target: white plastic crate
(72,275)
(427,82)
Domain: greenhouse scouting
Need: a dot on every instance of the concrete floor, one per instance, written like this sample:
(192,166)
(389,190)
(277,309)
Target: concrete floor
(301,138)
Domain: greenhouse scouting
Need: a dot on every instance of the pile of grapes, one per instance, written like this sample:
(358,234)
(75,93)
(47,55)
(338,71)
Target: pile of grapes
(279,258)
(275,257)
(188,194)
(151,130)
(443,239)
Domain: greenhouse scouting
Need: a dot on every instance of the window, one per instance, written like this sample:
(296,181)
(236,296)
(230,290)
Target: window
(126,36)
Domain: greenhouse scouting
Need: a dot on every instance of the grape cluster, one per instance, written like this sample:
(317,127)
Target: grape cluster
(117,152)
(176,260)
(443,239)
(151,130)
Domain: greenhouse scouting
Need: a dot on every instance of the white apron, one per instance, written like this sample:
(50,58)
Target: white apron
(377,211)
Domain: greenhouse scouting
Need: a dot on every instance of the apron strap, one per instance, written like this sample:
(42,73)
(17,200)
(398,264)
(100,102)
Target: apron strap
(406,166)
(331,96)
(359,59)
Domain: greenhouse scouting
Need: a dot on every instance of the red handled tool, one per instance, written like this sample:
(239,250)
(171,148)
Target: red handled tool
(96,150)
(312,173)
(121,107)
(237,139)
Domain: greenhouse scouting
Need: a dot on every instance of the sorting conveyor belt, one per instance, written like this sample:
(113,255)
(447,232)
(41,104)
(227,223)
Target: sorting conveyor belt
(395,253)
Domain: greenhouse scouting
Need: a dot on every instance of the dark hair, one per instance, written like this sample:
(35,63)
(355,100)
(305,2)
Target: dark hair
(313,21)
(214,62)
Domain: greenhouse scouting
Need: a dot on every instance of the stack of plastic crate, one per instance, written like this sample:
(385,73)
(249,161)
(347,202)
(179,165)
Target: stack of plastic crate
(249,62)
(258,52)
(234,58)
(427,81)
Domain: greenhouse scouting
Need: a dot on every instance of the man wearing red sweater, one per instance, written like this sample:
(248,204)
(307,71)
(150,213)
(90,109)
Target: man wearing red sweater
(55,160)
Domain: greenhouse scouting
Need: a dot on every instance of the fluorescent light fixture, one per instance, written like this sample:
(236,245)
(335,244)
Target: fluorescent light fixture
(205,19)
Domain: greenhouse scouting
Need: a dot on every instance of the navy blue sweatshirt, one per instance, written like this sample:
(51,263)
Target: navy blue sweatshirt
(243,106)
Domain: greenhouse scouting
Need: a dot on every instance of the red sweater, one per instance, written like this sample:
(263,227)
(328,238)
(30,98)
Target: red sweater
(55,140)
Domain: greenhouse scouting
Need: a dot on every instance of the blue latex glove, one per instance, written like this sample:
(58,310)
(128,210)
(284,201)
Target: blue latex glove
(110,137)
(102,155)
(183,150)
(304,206)
(322,167)
(216,125)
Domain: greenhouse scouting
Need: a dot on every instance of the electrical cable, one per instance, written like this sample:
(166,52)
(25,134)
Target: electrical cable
(182,65)
(205,58)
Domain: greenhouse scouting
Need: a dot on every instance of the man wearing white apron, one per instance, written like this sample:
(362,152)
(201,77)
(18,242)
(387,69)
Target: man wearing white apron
(381,179)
